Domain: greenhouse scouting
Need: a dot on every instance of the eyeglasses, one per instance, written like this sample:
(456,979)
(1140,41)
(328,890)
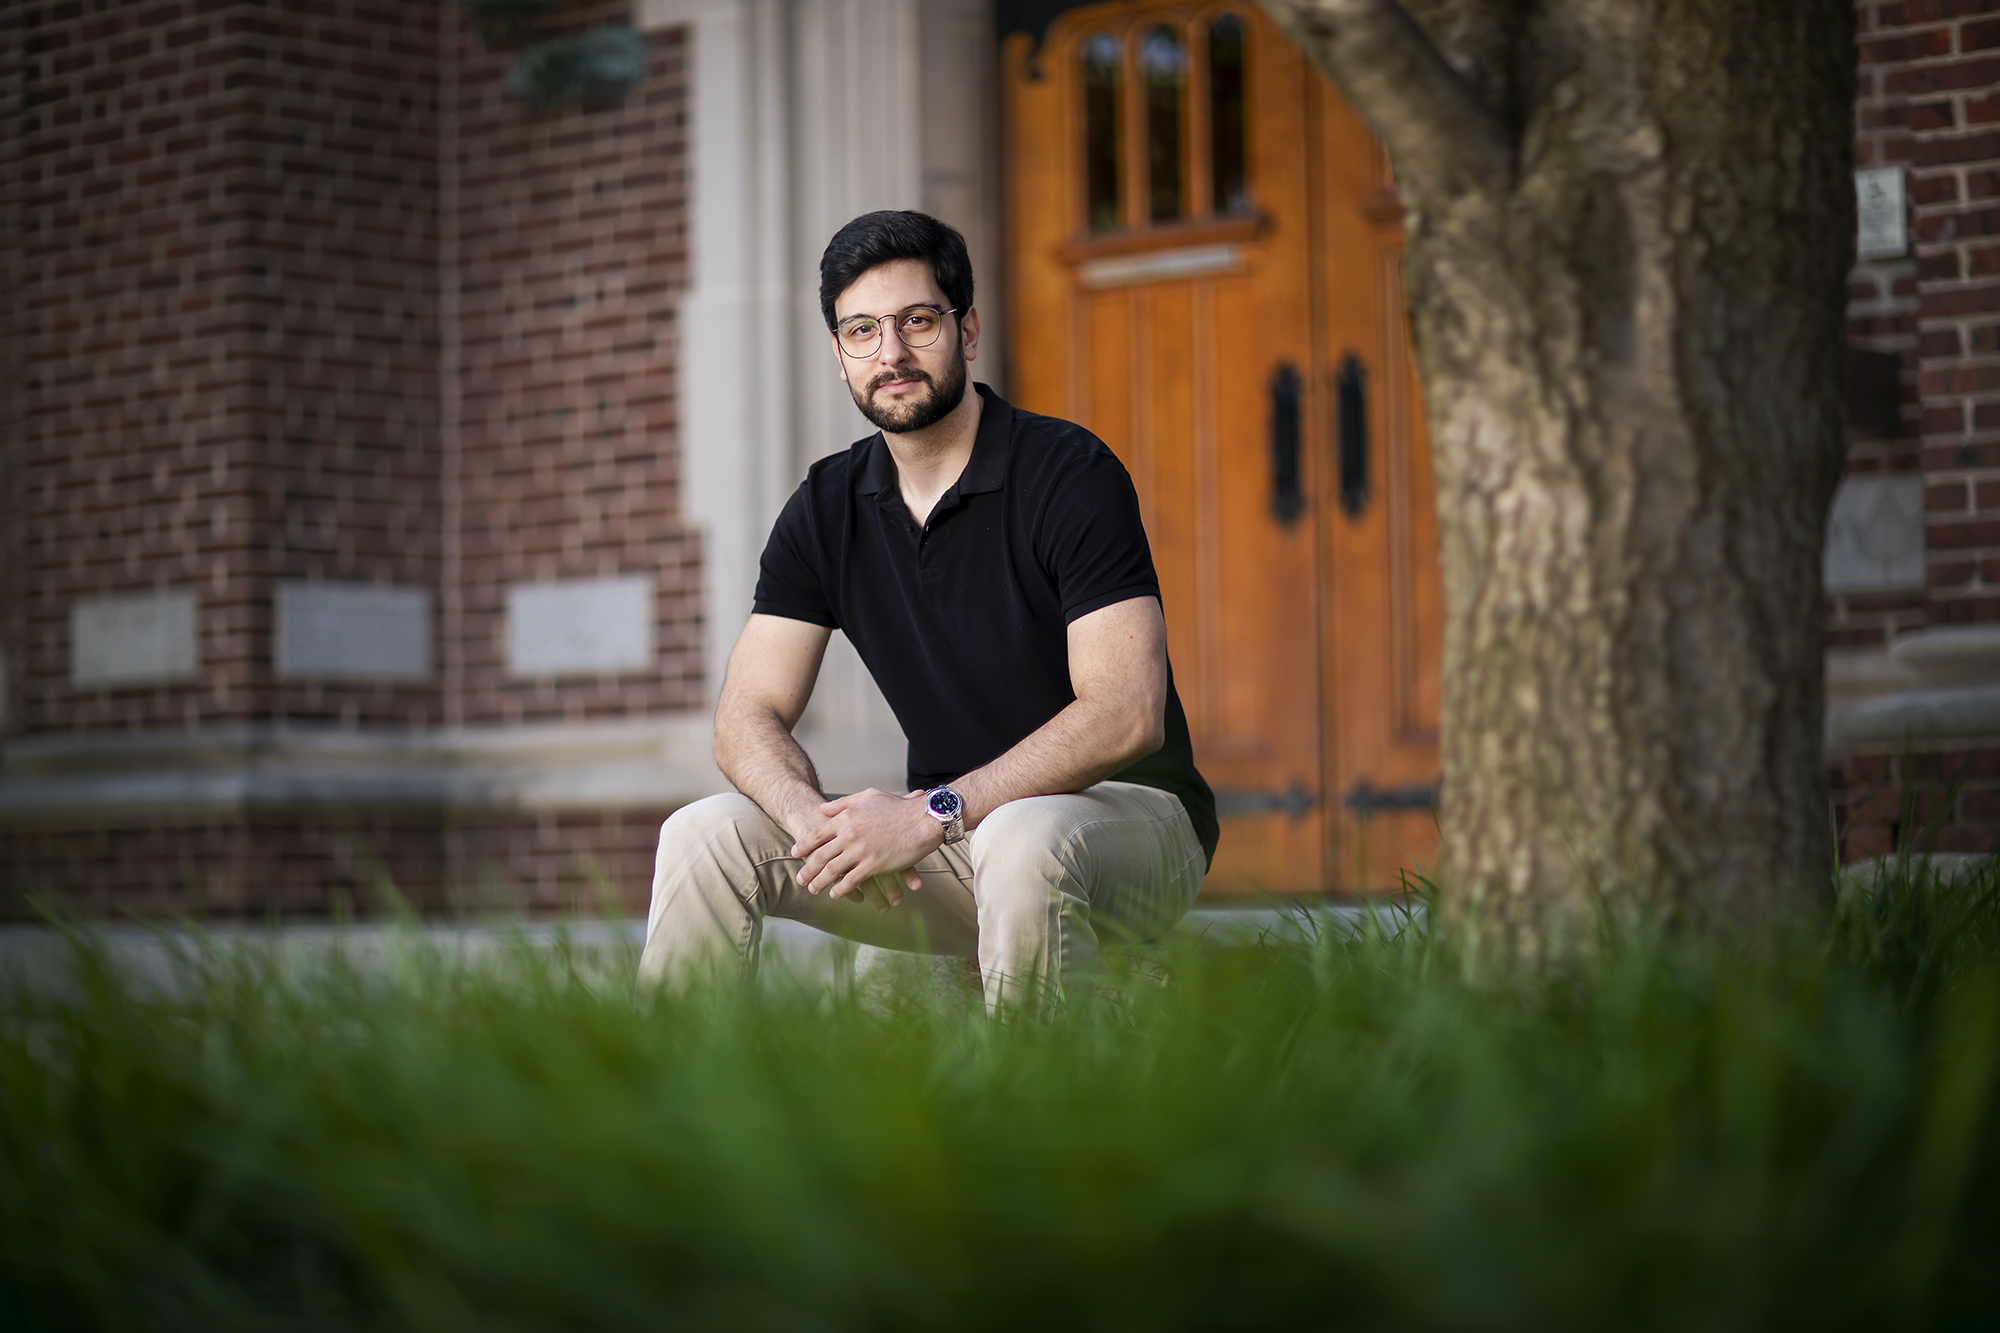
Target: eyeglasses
(918,326)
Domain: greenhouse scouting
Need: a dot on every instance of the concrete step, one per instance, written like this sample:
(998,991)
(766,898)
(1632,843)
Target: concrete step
(41,958)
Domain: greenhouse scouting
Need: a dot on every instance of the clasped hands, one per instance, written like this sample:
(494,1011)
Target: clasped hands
(866,845)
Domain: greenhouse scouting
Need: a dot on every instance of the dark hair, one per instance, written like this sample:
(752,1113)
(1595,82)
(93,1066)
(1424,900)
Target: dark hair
(880,238)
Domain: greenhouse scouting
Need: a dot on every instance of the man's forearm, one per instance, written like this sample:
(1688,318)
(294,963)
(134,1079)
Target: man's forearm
(760,757)
(1083,744)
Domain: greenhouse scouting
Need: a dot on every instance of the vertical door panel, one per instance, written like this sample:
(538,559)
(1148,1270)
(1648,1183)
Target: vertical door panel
(1104,369)
(1380,615)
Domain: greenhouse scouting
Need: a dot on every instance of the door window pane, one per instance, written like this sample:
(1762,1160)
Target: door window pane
(1163,61)
(1225,115)
(1101,79)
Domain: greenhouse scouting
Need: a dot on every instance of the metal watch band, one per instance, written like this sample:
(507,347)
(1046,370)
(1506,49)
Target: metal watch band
(953,820)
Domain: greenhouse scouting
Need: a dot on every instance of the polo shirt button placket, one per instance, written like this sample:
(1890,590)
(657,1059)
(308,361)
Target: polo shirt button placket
(926,567)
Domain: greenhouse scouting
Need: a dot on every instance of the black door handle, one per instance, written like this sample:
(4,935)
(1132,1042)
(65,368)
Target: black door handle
(1295,802)
(1365,798)
(1351,399)
(1288,497)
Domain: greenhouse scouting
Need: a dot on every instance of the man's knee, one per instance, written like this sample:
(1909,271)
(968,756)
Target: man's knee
(1030,845)
(703,878)
(1044,824)
(701,823)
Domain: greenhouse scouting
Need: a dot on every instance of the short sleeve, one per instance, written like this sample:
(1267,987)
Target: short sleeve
(789,581)
(1093,541)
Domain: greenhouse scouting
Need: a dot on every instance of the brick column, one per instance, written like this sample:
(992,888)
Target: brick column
(229,317)
(1882,323)
(572,254)
(1916,738)
(13,546)
(1953,121)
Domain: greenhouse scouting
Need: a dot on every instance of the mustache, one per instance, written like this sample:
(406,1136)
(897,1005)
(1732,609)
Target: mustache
(891,376)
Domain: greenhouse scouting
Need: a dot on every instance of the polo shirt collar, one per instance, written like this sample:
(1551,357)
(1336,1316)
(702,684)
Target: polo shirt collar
(985,471)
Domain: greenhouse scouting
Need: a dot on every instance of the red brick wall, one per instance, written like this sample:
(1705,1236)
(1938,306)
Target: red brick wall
(229,324)
(1931,69)
(336,300)
(1929,73)
(13,547)
(569,863)
(232,276)
(1936,801)
(232,329)
(360,863)
(133,467)
(1882,318)
(227,868)
(573,254)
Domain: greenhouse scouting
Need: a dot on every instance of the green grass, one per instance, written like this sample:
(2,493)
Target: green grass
(1337,1133)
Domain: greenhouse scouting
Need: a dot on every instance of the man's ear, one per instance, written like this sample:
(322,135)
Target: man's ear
(968,333)
(833,341)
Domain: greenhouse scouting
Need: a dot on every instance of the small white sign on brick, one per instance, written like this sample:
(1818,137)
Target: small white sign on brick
(353,631)
(1875,535)
(141,639)
(580,627)
(1882,220)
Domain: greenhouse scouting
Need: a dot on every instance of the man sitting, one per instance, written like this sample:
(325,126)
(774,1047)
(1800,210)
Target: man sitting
(990,568)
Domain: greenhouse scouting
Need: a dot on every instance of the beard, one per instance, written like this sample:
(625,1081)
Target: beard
(903,418)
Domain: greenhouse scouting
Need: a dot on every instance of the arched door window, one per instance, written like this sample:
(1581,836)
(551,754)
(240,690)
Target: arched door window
(1103,71)
(1165,132)
(1164,61)
(1230,192)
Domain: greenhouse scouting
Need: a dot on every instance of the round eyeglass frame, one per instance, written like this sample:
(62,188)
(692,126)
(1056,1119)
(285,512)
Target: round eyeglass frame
(868,349)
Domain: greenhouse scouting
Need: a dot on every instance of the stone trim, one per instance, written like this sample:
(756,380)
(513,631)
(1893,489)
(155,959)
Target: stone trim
(1967,716)
(1952,698)
(653,763)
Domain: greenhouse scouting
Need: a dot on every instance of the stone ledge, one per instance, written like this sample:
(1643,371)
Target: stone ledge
(1852,676)
(1947,868)
(1951,654)
(1960,717)
(1950,696)
(40,958)
(652,763)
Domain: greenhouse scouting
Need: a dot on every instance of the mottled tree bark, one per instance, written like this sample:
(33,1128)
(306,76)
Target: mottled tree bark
(1630,223)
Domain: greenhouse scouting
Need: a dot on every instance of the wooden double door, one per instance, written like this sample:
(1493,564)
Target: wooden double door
(1205,269)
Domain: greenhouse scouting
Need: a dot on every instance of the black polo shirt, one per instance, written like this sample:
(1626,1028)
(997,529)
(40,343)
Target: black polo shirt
(963,622)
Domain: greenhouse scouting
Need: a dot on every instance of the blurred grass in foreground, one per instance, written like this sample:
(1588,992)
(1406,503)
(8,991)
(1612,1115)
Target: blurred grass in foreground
(1342,1132)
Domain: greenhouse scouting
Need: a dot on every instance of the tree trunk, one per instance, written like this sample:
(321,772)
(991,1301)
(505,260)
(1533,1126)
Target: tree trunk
(1629,228)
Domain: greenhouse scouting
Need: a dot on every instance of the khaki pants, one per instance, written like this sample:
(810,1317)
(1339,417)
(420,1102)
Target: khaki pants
(1028,892)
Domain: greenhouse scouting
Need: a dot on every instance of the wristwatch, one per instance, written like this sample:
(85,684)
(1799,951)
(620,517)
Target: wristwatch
(947,807)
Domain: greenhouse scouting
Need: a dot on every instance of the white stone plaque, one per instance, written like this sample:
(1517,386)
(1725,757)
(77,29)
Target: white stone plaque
(1883,221)
(1875,535)
(353,631)
(143,639)
(580,627)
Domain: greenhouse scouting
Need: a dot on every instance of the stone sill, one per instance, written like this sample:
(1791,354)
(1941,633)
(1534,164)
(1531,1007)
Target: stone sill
(1934,689)
(653,763)
(1960,718)
(41,960)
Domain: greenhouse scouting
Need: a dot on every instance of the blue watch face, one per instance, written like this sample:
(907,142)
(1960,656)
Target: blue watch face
(944,803)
